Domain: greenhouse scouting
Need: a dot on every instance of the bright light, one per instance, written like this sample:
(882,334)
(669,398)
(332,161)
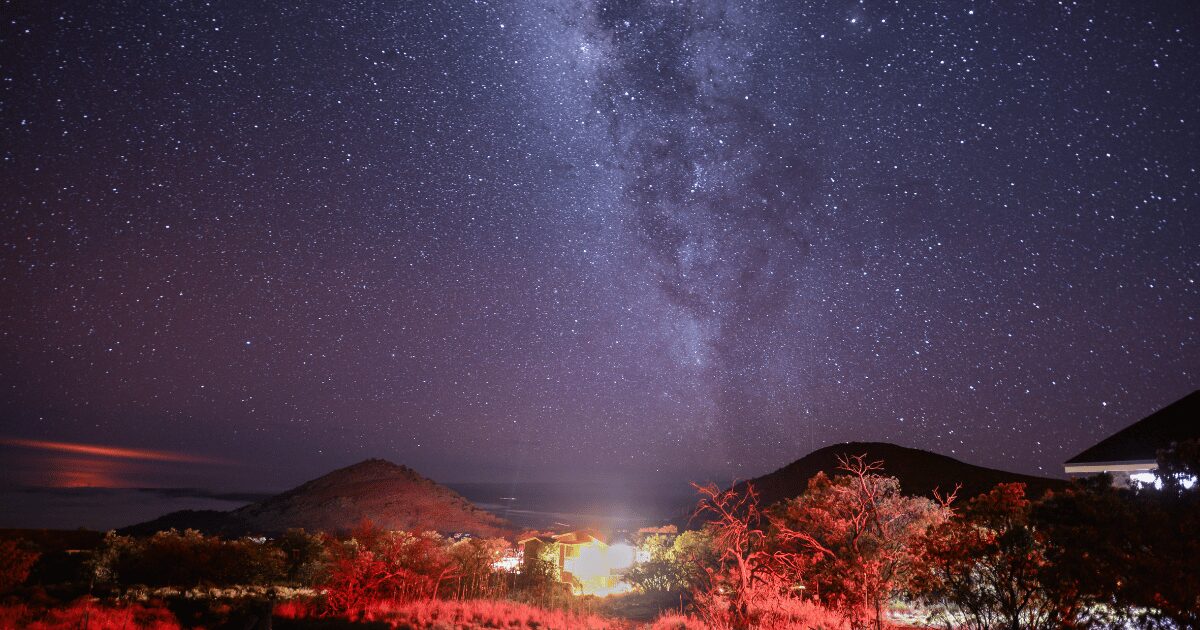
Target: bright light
(1146,478)
(620,556)
(1151,479)
(589,564)
(508,562)
(595,565)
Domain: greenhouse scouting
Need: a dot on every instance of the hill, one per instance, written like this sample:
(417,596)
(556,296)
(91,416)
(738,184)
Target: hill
(389,495)
(919,472)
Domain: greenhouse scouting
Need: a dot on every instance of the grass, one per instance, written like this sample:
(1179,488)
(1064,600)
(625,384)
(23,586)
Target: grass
(450,614)
(90,614)
(641,613)
(303,614)
(772,614)
(639,606)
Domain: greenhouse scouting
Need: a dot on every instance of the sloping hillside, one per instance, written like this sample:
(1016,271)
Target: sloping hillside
(919,472)
(389,495)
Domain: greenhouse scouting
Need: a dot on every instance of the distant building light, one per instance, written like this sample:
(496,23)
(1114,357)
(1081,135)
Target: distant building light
(1151,479)
(509,562)
(1146,478)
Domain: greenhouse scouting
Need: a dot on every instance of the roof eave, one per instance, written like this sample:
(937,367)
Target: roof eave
(1116,466)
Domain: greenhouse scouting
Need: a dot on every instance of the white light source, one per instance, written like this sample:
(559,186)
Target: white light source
(620,556)
(1150,479)
(1146,478)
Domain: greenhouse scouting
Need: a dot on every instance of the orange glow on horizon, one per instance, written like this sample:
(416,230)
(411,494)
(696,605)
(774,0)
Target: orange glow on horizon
(101,450)
(85,472)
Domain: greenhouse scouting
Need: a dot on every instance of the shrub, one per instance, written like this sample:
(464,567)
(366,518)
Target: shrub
(852,538)
(376,565)
(186,559)
(304,556)
(678,565)
(15,564)
(475,563)
(986,566)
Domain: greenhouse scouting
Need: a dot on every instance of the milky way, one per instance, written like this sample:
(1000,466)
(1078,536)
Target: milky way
(552,239)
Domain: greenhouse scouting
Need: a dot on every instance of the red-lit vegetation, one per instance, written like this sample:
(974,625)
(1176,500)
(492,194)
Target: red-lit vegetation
(987,566)
(851,544)
(851,538)
(442,613)
(89,613)
(394,567)
(842,555)
(846,543)
(15,564)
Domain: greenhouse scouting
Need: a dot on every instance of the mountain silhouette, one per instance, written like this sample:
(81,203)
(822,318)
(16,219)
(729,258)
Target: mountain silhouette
(389,495)
(920,473)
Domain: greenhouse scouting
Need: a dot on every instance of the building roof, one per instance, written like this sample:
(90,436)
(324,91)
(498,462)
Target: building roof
(545,540)
(1142,440)
(579,537)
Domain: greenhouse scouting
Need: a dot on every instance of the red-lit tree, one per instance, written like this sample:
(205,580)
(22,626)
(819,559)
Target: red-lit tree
(748,576)
(475,560)
(377,565)
(987,565)
(854,535)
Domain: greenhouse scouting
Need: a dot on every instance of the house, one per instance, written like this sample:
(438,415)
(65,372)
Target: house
(582,559)
(1131,454)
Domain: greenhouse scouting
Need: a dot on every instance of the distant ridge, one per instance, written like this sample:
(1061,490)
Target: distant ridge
(391,496)
(919,472)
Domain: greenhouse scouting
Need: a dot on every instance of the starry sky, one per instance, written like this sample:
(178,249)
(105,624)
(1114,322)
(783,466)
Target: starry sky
(567,239)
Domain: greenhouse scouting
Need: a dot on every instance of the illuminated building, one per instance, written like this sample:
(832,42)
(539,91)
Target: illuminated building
(581,559)
(1131,454)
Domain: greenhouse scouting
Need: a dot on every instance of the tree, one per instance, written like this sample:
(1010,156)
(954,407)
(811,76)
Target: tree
(1179,468)
(376,565)
(852,537)
(659,573)
(1164,576)
(693,553)
(475,559)
(15,564)
(1091,539)
(186,559)
(676,564)
(305,556)
(539,580)
(747,575)
(1132,552)
(105,561)
(989,564)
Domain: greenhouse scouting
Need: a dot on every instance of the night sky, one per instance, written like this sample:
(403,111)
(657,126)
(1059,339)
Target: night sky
(559,240)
